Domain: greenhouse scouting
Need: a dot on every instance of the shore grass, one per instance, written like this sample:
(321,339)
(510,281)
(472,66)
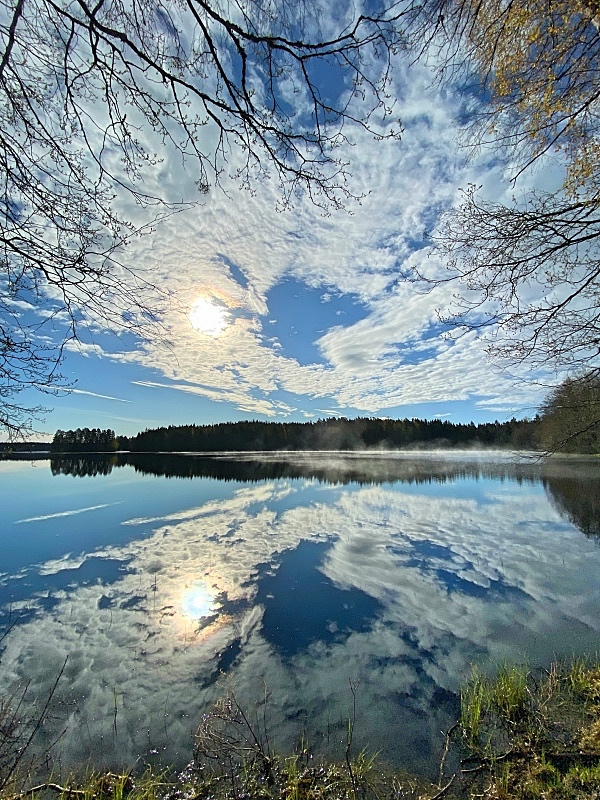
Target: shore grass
(294,777)
(521,735)
(532,735)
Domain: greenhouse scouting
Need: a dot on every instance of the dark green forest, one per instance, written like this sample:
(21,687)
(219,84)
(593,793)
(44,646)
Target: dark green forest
(568,422)
(334,434)
(85,440)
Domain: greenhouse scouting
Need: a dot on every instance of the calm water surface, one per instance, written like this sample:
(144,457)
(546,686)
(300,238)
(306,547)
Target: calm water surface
(165,580)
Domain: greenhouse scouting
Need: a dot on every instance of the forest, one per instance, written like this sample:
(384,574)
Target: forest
(567,422)
(84,440)
(337,433)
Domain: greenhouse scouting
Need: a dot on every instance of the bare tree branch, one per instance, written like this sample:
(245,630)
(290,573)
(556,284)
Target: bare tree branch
(88,90)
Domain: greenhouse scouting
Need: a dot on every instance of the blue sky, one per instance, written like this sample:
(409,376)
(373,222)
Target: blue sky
(296,315)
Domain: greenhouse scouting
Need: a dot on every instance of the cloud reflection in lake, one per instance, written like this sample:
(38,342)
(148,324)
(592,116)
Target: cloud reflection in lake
(305,586)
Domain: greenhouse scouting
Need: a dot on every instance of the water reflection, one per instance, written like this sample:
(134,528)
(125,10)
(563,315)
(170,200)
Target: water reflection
(397,584)
(84,466)
(302,605)
(572,484)
(577,500)
(198,602)
(331,467)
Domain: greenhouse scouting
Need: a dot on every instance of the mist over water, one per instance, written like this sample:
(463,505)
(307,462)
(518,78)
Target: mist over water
(298,577)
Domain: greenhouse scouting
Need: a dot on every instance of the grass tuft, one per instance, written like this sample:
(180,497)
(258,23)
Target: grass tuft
(508,692)
(532,736)
(474,701)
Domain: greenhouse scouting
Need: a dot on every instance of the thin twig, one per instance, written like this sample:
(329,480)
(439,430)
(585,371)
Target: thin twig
(486,762)
(446,748)
(6,778)
(444,789)
(351,723)
(42,787)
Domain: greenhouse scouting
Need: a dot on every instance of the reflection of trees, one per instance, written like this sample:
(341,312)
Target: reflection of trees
(328,468)
(573,486)
(577,498)
(83,466)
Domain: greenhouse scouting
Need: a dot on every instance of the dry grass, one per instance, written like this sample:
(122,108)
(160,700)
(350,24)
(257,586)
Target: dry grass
(523,736)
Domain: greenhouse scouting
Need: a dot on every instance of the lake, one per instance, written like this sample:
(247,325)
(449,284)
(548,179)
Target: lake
(301,582)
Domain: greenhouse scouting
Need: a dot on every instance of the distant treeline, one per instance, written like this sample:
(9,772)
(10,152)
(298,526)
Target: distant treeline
(85,440)
(23,448)
(327,434)
(334,434)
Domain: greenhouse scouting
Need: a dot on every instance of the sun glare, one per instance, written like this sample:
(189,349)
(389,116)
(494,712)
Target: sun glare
(198,602)
(208,316)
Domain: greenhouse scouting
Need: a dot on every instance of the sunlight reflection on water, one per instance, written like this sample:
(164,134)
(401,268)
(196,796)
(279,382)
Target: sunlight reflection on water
(198,601)
(395,573)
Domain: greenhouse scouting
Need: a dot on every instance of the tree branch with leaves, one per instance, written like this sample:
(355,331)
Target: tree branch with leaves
(527,271)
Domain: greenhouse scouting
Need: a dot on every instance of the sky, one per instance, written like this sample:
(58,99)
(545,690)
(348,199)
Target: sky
(298,314)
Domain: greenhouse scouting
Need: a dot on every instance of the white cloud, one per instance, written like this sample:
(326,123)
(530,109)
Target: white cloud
(361,255)
(100,396)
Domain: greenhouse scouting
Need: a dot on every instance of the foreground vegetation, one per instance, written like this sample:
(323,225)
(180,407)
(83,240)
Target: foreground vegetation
(533,735)
(522,735)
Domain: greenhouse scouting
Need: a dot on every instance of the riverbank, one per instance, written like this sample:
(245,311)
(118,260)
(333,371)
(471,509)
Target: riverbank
(521,735)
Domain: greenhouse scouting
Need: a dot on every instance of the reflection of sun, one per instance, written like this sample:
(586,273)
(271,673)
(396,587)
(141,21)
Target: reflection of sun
(208,317)
(198,601)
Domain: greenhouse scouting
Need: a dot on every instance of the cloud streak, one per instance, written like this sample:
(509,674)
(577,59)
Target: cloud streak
(236,249)
(100,396)
(70,513)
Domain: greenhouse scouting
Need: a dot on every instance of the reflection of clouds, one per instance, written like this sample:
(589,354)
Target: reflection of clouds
(132,637)
(480,541)
(457,579)
(70,513)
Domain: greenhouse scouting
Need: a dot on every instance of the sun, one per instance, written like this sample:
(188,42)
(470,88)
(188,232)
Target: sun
(208,316)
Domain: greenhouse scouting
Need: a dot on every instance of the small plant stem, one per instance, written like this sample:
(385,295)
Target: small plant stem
(6,778)
(444,789)
(445,753)
(55,787)
(349,737)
